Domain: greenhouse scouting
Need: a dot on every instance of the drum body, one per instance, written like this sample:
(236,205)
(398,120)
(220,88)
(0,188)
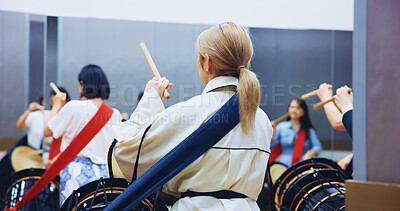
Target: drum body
(274,171)
(20,182)
(18,158)
(280,198)
(318,190)
(98,194)
(6,164)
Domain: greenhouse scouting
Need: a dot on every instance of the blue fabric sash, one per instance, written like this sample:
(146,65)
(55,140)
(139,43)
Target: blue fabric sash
(191,148)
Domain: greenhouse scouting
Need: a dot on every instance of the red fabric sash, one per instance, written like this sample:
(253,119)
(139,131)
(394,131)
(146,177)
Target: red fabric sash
(77,144)
(297,149)
(55,147)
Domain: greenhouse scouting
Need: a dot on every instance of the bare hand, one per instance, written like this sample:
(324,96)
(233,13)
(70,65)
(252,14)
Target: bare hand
(273,123)
(33,106)
(159,85)
(310,154)
(58,100)
(343,163)
(125,115)
(324,92)
(343,99)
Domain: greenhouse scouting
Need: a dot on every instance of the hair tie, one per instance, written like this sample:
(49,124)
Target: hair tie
(240,67)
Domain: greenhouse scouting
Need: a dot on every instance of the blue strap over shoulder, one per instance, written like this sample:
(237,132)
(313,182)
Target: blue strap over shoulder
(191,148)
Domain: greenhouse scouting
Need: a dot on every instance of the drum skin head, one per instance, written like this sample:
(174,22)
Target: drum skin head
(277,169)
(25,157)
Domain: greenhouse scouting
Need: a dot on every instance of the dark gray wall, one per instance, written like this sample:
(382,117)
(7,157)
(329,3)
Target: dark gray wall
(36,59)
(14,46)
(114,45)
(290,63)
(50,72)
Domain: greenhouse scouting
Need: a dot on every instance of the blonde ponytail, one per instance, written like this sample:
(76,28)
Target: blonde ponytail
(249,99)
(230,49)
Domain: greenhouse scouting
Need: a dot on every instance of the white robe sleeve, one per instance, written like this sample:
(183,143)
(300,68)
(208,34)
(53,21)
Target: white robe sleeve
(129,134)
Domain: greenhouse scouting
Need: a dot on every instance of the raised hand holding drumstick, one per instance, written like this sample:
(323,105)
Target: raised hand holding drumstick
(344,99)
(161,85)
(324,92)
(332,113)
(59,98)
(328,88)
(321,104)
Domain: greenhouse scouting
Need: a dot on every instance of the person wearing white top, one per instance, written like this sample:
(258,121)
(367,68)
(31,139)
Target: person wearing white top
(33,120)
(238,161)
(90,164)
(34,126)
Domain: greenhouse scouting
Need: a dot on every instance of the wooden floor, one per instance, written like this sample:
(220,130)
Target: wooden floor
(7,143)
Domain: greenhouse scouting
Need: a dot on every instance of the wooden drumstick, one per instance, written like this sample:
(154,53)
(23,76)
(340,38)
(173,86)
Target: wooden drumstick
(312,93)
(56,90)
(321,104)
(281,118)
(152,66)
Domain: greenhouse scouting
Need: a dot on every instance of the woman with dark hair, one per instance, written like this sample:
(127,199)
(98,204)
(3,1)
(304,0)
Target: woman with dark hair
(295,139)
(90,164)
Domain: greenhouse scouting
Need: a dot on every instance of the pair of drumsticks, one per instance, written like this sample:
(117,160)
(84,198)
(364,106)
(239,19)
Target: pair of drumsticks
(315,106)
(312,94)
(320,104)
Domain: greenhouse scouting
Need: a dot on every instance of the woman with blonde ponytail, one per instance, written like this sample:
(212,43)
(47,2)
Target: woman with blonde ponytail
(230,175)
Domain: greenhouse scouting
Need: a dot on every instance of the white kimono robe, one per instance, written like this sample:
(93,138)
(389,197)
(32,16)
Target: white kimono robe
(237,162)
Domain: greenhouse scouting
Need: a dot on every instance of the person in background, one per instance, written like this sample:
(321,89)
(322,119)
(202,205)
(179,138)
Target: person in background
(68,121)
(33,120)
(295,139)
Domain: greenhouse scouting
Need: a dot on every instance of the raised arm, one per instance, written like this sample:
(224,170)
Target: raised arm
(130,133)
(332,113)
(58,103)
(20,124)
(344,101)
